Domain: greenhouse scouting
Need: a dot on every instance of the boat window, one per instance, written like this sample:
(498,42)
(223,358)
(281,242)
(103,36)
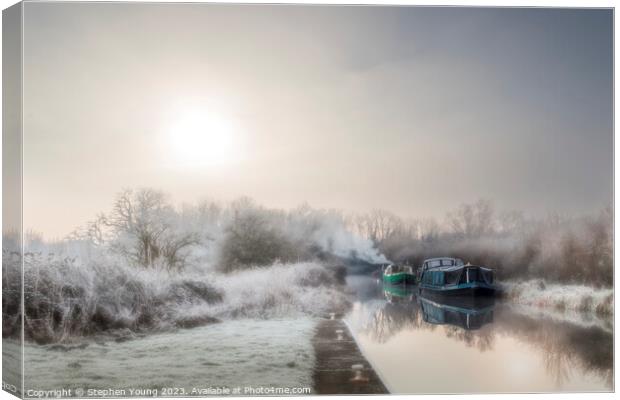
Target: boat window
(399,268)
(434,263)
(447,262)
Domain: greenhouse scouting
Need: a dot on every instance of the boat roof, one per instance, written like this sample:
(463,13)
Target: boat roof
(441,258)
(449,268)
(398,267)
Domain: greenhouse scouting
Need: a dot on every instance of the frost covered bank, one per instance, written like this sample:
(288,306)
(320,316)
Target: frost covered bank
(149,266)
(577,298)
(72,300)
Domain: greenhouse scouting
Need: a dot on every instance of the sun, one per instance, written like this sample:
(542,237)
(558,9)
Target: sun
(201,139)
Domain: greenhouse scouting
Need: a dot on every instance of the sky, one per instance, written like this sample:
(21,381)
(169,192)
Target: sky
(409,109)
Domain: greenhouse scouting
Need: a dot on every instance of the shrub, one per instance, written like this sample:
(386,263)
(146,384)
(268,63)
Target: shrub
(64,298)
(250,240)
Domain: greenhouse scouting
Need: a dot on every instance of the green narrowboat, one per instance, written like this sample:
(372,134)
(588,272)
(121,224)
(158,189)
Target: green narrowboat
(398,275)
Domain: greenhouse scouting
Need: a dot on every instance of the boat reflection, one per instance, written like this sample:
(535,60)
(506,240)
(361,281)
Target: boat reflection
(467,316)
(405,306)
(398,293)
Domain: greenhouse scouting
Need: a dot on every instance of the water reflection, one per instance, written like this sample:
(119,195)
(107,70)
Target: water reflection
(429,345)
(465,316)
(398,294)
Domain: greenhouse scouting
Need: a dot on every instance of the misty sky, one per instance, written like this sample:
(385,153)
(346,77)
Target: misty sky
(414,110)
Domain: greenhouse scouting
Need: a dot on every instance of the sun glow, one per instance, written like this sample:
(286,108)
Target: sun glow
(200,139)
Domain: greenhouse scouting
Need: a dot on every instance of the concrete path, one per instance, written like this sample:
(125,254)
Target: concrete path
(340,366)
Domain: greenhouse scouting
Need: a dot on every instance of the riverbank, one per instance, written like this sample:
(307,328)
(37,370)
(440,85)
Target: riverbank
(554,296)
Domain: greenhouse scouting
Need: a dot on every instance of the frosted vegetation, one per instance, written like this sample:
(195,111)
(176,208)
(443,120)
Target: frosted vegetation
(559,297)
(147,265)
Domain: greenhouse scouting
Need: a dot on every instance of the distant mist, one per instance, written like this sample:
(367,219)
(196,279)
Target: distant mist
(145,230)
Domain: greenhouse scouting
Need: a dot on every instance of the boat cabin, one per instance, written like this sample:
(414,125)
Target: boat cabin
(441,262)
(397,269)
(447,274)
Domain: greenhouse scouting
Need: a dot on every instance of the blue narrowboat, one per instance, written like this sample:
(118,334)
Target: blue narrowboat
(450,276)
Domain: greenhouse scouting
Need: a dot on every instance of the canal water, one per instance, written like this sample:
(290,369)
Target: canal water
(423,345)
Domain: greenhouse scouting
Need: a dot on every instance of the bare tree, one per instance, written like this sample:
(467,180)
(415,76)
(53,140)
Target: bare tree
(429,230)
(378,225)
(472,220)
(143,223)
(95,232)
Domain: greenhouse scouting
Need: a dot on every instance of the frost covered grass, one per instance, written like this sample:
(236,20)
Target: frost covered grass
(65,299)
(244,352)
(538,293)
(281,290)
